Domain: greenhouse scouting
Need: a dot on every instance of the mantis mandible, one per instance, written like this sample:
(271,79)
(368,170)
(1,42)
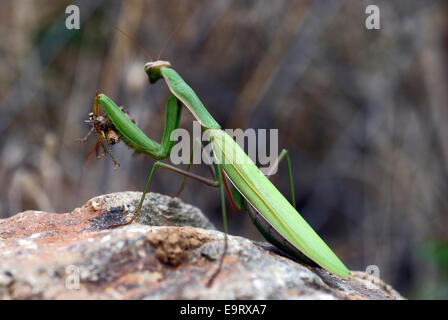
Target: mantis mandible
(274,216)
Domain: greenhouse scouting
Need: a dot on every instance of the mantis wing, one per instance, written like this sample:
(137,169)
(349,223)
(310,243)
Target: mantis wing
(271,204)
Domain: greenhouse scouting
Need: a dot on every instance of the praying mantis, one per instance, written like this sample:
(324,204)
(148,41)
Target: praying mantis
(274,216)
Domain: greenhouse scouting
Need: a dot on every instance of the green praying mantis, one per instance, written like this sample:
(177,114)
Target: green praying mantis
(274,216)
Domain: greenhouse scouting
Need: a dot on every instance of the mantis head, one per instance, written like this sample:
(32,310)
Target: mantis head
(152,69)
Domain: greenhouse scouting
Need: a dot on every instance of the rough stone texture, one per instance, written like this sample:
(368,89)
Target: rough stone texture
(42,254)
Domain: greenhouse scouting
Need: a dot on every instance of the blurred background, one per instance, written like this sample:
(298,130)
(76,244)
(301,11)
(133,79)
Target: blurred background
(363,113)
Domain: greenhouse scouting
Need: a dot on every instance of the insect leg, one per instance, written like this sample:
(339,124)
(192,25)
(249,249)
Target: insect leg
(133,136)
(209,182)
(218,172)
(284,154)
(196,142)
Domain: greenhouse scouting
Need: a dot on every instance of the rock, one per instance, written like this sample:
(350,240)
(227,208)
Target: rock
(76,256)
(157,210)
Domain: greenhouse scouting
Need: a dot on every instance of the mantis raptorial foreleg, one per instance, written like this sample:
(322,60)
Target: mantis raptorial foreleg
(133,136)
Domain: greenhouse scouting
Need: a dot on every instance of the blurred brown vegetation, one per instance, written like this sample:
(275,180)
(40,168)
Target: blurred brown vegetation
(363,113)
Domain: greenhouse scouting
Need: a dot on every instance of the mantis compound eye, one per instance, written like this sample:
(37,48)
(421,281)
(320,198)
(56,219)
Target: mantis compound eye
(148,67)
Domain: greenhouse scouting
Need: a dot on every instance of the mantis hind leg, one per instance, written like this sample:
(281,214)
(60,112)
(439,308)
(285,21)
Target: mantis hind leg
(218,171)
(284,154)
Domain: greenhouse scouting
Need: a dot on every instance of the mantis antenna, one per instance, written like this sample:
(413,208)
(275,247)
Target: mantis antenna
(135,42)
(170,37)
